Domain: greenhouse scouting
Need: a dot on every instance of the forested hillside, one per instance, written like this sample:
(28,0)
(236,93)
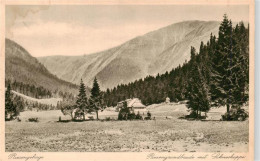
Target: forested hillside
(218,72)
(30,90)
(28,76)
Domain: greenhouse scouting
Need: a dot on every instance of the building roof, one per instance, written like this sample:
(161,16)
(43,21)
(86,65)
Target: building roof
(135,102)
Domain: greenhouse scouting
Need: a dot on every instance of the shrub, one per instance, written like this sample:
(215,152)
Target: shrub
(108,119)
(79,115)
(235,115)
(124,112)
(193,114)
(147,118)
(68,110)
(33,119)
(91,118)
(131,116)
(138,116)
(149,114)
(120,116)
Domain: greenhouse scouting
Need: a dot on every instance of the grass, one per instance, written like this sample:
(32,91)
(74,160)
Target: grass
(109,136)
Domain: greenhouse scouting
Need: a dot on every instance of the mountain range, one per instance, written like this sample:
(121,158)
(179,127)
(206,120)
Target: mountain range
(20,66)
(155,52)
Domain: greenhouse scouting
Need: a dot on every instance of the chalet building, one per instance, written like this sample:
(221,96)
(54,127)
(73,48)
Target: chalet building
(135,105)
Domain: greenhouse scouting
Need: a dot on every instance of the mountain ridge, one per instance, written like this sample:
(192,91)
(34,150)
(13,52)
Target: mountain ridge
(21,66)
(154,52)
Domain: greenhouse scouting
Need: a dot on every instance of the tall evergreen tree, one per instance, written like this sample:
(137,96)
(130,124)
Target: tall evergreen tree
(95,91)
(220,81)
(197,90)
(241,50)
(10,108)
(226,70)
(82,101)
(193,53)
(96,101)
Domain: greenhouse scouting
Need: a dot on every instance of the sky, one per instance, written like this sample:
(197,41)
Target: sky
(79,30)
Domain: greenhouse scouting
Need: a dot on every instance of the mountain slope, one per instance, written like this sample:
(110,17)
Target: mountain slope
(20,66)
(155,52)
(47,101)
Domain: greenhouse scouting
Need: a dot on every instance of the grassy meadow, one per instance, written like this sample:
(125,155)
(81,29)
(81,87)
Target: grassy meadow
(161,134)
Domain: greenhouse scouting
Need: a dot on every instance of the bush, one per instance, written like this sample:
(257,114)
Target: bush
(67,109)
(149,114)
(147,118)
(131,116)
(121,115)
(235,115)
(79,115)
(33,119)
(138,116)
(91,118)
(124,112)
(193,114)
(108,119)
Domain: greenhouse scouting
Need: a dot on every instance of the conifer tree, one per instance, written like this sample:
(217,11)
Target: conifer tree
(193,53)
(96,101)
(197,90)
(19,103)
(227,84)
(95,91)
(220,78)
(82,101)
(241,50)
(10,108)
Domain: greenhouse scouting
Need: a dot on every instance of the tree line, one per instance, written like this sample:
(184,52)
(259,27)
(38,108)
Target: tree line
(15,104)
(29,90)
(216,75)
(38,92)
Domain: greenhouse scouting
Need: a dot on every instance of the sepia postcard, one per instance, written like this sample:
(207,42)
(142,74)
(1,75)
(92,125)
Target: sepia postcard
(127,80)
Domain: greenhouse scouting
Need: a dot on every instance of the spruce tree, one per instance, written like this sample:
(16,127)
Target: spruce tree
(197,90)
(96,101)
(220,81)
(82,101)
(241,50)
(227,84)
(95,91)
(10,108)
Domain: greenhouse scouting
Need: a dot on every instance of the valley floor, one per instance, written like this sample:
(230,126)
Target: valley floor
(146,136)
